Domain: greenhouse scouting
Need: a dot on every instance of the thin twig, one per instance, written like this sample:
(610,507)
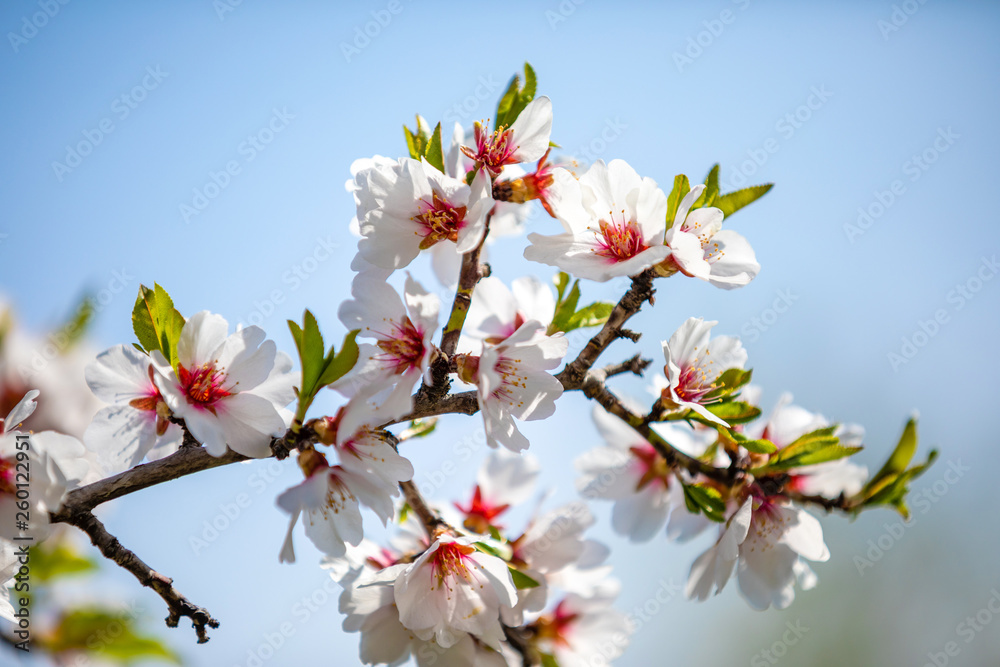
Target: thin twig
(112,549)
(432,522)
(636,365)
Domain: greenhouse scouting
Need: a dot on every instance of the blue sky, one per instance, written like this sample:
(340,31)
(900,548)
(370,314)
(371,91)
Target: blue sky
(876,121)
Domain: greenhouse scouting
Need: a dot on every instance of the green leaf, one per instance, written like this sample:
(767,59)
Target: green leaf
(593,315)
(819,446)
(895,487)
(758,446)
(729,382)
(530,84)
(901,455)
(486,548)
(548,660)
(156,322)
(705,499)
(419,428)
(681,188)
(435,154)
(521,580)
(319,369)
(412,143)
(515,98)
(76,326)
(711,192)
(506,102)
(417,142)
(734,412)
(59,559)
(142,320)
(734,201)
(565,308)
(561,281)
(337,365)
(108,633)
(311,353)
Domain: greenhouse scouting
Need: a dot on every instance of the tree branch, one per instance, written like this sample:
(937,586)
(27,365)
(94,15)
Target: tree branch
(594,388)
(636,365)
(112,549)
(185,461)
(432,522)
(640,292)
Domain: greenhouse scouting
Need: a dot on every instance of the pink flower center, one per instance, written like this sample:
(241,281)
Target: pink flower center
(652,466)
(403,348)
(695,382)
(449,561)
(441,220)
(203,384)
(620,240)
(493,151)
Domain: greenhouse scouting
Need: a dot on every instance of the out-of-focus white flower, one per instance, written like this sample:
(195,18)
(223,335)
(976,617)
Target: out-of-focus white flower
(497,312)
(452,589)
(582,632)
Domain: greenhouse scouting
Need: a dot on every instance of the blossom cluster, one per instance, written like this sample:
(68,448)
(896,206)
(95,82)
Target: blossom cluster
(455,585)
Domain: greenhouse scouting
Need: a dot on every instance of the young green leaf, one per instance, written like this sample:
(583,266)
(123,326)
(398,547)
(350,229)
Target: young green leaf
(319,368)
(337,365)
(515,98)
(435,154)
(76,326)
(561,281)
(705,499)
(521,580)
(565,308)
(734,201)
(681,187)
(156,322)
(593,315)
(729,382)
(901,455)
(711,192)
(52,560)
(734,412)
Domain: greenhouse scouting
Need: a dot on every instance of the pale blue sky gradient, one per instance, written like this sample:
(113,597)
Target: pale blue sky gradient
(878,99)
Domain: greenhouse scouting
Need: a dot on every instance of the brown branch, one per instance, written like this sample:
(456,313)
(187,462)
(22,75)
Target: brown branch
(639,293)
(519,641)
(594,388)
(636,365)
(432,522)
(841,502)
(185,461)
(112,549)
